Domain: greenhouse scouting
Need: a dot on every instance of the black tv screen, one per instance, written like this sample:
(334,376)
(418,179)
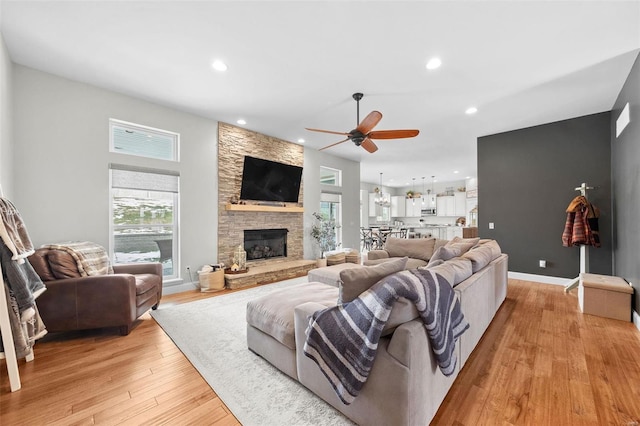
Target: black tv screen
(264,180)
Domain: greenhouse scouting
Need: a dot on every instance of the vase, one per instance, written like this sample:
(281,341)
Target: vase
(321,263)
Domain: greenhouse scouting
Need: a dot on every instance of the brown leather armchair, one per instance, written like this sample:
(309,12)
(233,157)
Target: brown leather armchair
(78,303)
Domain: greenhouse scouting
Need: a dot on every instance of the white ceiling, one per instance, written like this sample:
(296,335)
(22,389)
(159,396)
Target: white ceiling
(296,64)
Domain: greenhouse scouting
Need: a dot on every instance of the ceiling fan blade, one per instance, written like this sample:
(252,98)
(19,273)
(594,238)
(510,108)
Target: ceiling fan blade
(369,145)
(333,144)
(393,134)
(369,122)
(327,131)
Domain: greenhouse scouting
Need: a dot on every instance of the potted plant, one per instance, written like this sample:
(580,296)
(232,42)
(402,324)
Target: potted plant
(324,232)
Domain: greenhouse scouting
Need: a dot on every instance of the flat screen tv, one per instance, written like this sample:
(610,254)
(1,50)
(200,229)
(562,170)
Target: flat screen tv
(264,180)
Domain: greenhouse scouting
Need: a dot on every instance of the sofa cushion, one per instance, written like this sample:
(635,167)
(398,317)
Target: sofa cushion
(146,282)
(417,248)
(273,313)
(62,264)
(454,248)
(453,270)
(481,255)
(354,281)
(330,274)
(41,265)
(411,263)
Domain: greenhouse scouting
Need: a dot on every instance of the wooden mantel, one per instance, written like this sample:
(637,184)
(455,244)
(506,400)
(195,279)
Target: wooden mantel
(260,208)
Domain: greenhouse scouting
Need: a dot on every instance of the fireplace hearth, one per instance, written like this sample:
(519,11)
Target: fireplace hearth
(265,243)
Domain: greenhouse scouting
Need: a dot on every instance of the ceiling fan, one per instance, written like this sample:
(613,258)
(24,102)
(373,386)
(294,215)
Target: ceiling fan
(362,135)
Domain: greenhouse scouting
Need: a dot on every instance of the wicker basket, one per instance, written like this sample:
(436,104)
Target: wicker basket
(211,281)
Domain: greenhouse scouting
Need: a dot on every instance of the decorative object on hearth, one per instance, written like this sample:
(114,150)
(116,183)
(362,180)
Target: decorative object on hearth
(362,135)
(239,259)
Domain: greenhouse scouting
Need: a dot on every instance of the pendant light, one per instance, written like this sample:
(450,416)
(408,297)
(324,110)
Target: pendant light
(422,196)
(380,199)
(413,189)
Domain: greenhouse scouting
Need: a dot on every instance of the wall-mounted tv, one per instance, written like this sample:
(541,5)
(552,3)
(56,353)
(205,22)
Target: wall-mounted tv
(264,180)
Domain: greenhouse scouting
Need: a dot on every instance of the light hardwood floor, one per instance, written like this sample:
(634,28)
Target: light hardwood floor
(541,362)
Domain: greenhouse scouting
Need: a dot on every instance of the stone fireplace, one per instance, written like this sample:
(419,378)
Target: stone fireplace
(233,143)
(265,243)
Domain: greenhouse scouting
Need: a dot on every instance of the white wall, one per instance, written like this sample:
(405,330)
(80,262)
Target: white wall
(6,121)
(350,191)
(61,158)
(61,169)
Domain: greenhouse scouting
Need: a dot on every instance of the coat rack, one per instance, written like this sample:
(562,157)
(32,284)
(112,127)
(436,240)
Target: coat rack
(7,337)
(584,250)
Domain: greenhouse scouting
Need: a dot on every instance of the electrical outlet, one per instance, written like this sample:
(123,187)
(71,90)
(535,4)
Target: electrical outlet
(491,225)
(188,268)
(543,263)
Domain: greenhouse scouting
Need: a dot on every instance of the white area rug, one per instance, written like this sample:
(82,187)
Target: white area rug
(212,334)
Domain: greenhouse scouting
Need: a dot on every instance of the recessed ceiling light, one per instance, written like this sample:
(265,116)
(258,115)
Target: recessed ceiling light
(300,140)
(471,110)
(241,121)
(219,65)
(456,171)
(434,63)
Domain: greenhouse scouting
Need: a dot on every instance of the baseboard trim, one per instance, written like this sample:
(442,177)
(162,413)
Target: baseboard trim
(636,319)
(179,288)
(544,279)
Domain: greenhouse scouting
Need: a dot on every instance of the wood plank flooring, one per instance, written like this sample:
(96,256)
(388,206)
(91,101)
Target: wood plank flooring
(541,362)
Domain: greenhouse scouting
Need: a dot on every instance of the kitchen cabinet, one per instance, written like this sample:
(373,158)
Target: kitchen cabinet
(452,205)
(398,206)
(460,204)
(413,207)
(445,205)
(372,204)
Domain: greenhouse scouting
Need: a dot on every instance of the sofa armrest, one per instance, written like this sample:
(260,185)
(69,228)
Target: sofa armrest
(139,268)
(377,254)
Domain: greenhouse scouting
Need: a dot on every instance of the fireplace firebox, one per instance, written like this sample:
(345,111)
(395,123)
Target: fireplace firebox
(265,243)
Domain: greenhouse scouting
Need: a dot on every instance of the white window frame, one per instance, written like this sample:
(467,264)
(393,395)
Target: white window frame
(176,218)
(115,123)
(336,172)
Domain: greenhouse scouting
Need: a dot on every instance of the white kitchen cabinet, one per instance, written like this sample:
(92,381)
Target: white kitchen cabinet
(460,203)
(372,204)
(398,206)
(445,205)
(413,207)
(452,205)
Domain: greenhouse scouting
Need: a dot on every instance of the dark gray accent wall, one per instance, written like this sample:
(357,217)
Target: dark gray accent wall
(625,165)
(526,180)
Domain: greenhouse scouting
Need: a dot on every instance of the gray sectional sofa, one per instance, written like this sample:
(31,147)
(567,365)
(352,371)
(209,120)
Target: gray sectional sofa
(405,385)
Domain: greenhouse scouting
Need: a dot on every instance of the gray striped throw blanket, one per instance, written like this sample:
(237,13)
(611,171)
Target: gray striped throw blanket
(343,340)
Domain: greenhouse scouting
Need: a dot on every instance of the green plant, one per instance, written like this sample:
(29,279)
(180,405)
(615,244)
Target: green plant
(324,232)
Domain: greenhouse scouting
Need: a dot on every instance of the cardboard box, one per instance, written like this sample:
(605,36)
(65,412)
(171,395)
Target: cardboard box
(605,296)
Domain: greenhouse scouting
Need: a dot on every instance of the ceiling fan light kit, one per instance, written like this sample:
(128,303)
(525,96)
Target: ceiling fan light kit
(362,135)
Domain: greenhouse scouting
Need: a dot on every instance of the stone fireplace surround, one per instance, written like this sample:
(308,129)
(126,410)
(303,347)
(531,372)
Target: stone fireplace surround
(233,144)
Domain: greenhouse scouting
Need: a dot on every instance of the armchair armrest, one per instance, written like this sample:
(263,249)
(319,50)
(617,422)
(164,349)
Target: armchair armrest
(139,268)
(377,254)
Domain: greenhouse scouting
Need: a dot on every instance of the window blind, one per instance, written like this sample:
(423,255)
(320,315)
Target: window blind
(132,177)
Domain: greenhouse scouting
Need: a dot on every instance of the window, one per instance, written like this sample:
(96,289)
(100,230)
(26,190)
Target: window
(329,176)
(331,208)
(143,141)
(144,217)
